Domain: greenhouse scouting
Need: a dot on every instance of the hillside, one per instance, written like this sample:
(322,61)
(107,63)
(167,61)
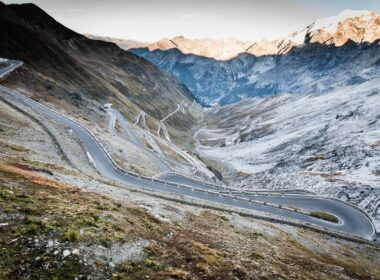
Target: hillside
(326,143)
(72,72)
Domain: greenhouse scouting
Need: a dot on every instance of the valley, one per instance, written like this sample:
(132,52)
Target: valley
(181,185)
(189,158)
(304,118)
(40,165)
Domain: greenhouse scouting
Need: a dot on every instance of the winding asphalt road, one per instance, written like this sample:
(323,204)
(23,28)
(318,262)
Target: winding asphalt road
(167,175)
(115,115)
(352,221)
(160,161)
(11,66)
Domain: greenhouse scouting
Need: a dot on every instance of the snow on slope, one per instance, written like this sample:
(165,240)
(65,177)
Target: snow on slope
(357,26)
(330,24)
(328,143)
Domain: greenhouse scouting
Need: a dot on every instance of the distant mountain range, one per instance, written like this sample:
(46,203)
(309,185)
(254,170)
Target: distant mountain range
(357,26)
(329,53)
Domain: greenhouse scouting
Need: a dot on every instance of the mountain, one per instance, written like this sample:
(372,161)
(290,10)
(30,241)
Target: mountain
(312,68)
(220,49)
(70,71)
(304,116)
(65,216)
(327,54)
(122,43)
(327,143)
(349,25)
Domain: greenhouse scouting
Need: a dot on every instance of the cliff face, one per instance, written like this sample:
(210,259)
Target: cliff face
(356,26)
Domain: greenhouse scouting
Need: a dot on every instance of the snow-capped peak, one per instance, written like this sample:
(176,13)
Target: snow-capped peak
(330,24)
(358,26)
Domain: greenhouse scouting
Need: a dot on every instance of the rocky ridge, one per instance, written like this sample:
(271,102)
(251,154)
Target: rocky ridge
(356,26)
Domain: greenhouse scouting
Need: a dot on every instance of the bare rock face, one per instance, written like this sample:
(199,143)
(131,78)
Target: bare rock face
(357,26)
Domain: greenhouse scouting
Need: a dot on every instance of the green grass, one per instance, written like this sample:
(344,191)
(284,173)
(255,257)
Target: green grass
(71,235)
(324,216)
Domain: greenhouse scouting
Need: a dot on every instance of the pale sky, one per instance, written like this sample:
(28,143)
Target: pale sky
(151,20)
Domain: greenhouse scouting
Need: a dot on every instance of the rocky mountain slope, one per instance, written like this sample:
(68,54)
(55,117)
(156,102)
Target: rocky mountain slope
(328,54)
(356,26)
(78,74)
(327,143)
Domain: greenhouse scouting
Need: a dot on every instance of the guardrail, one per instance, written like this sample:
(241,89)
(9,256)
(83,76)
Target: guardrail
(268,204)
(145,148)
(10,68)
(268,192)
(265,217)
(340,201)
(215,186)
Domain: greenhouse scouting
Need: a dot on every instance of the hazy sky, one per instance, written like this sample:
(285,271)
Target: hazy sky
(151,20)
